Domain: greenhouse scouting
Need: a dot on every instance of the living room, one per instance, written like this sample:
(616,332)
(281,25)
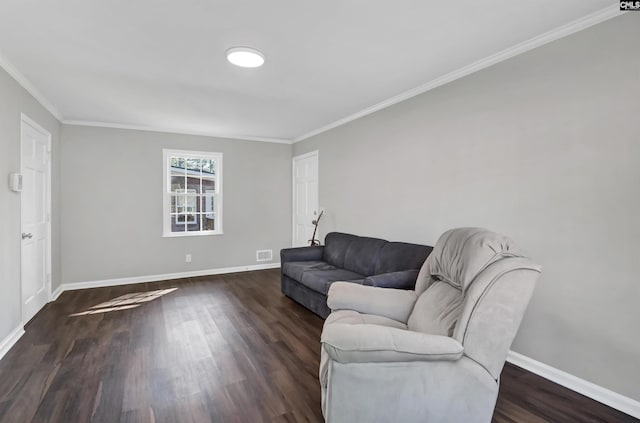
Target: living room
(519,121)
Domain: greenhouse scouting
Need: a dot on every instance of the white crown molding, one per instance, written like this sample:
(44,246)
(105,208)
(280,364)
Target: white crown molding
(555,34)
(28,86)
(10,340)
(156,278)
(581,386)
(172,131)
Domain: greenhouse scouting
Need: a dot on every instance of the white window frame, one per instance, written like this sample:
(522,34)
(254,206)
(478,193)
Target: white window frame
(166,189)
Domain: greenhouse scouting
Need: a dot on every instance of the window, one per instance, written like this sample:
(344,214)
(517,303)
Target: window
(192,193)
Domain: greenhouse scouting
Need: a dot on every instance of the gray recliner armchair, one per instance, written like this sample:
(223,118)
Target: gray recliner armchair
(430,355)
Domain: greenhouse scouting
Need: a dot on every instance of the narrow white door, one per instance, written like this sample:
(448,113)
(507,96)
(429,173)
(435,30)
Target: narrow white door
(35,211)
(305,197)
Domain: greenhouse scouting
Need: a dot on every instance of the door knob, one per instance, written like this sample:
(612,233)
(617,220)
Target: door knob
(26,235)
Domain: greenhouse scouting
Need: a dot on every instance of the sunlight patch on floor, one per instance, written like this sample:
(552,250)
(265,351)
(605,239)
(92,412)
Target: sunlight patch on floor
(125,302)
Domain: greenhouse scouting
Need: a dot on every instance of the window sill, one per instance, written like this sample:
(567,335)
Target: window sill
(189,234)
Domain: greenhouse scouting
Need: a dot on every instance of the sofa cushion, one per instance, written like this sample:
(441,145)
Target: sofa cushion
(295,269)
(335,248)
(404,279)
(362,255)
(320,280)
(397,256)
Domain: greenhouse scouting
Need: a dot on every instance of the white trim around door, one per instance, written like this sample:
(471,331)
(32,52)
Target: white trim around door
(27,121)
(312,200)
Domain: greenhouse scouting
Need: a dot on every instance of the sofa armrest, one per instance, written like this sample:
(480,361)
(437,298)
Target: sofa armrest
(365,343)
(301,254)
(395,304)
(405,279)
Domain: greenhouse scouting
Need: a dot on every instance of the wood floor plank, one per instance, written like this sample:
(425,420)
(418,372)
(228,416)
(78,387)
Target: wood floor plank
(225,348)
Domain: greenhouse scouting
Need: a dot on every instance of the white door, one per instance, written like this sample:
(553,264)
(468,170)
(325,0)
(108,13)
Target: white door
(35,211)
(305,197)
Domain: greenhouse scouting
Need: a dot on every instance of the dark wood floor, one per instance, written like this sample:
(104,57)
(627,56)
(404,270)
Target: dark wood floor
(226,348)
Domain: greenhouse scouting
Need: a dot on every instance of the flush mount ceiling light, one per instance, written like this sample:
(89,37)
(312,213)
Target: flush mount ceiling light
(245,57)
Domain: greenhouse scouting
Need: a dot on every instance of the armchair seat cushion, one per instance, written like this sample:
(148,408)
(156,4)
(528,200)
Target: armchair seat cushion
(295,269)
(347,343)
(354,318)
(321,280)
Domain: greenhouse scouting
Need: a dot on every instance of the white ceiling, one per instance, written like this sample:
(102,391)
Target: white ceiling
(160,64)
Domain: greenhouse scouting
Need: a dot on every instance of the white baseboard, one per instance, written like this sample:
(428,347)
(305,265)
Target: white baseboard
(10,340)
(55,294)
(161,277)
(581,386)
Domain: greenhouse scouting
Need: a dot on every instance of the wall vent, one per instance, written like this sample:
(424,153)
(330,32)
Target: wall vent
(264,255)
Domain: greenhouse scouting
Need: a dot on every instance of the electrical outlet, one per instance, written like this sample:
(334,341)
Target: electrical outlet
(187,258)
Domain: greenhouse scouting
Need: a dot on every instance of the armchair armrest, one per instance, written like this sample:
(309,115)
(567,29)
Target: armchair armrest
(301,254)
(395,304)
(381,344)
(405,279)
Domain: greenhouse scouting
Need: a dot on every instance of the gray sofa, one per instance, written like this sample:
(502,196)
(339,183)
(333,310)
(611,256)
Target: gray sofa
(308,272)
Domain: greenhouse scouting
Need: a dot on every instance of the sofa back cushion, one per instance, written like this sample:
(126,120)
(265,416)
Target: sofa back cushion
(362,255)
(398,256)
(335,248)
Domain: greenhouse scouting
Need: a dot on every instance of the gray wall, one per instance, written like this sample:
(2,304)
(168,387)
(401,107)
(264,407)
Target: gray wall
(112,204)
(15,100)
(544,147)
